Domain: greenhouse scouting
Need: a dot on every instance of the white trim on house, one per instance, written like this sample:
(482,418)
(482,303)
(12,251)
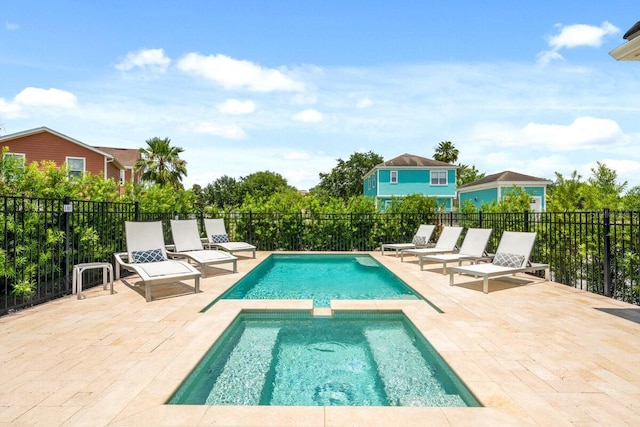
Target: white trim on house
(70,169)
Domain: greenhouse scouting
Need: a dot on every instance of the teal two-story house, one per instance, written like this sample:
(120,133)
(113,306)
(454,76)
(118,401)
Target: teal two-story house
(494,187)
(409,174)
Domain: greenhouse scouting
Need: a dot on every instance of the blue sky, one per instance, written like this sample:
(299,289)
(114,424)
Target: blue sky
(291,86)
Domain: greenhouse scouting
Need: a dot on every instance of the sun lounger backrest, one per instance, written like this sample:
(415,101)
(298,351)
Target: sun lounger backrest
(214,227)
(425,230)
(475,241)
(144,236)
(423,235)
(519,243)
(185,235)
(448,238)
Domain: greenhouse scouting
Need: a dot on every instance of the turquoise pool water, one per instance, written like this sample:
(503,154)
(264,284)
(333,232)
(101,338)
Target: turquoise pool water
(321,277)
(351,359)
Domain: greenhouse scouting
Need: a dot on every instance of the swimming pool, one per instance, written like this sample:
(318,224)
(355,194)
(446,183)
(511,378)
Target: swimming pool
(321,277)
(350,359)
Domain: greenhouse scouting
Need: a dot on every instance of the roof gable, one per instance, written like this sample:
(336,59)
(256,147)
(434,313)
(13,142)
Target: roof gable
(42,129)
(410,160)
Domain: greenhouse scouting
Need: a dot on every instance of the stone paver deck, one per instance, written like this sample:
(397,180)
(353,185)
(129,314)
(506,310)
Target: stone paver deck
(533,352)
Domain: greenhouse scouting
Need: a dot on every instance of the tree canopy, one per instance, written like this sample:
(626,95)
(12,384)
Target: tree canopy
(446,152)
(262,185)
(467,174)
(160,163)
(223,193)
(346,179)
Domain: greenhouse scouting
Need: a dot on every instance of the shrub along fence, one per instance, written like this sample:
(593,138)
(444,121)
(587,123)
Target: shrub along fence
(43,238)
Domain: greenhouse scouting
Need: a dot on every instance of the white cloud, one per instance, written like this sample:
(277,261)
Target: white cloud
(37,97)
(308,116)
(364,103)
(9,110)
(546,56)
(232,131)
(146,59)
(10,26)
(577,35)
(582,133)
(237,74)
(236,107)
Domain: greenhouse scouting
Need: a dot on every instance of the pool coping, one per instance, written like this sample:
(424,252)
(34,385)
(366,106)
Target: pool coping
(532,352)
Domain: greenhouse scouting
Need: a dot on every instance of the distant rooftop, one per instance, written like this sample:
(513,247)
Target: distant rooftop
(413,160)
(506,176)
(125,156)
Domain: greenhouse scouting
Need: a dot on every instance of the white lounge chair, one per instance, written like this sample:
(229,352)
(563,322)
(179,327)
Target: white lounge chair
(511,257)
(446,243)
(217,237)
(420,240)
(187,244)
(146,256)
(472,249)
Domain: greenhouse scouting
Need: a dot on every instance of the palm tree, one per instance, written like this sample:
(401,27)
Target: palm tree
(446,152)
(161,163)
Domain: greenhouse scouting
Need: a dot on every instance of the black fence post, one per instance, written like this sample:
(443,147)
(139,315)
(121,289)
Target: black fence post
(526,221)
(136,211)
(67,237)
(607,252)
(480,219)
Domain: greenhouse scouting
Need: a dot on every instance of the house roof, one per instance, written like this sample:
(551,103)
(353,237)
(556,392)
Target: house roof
(506,178)
(127,157)
(53,132)
(410,160)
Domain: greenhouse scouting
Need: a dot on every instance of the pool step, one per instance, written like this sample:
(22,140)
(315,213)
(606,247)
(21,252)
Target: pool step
(396,355)
(243,376)
(367,261)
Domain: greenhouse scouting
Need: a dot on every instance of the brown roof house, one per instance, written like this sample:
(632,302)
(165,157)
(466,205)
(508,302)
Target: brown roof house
(46,144)
(493,188)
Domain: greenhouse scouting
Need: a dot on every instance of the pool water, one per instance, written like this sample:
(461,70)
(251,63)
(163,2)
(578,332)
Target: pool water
(320,277)
(351,359)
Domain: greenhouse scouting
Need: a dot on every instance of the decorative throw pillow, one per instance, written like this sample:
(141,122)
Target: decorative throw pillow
(419,240)
(219,238)
(152,255)
(508,260)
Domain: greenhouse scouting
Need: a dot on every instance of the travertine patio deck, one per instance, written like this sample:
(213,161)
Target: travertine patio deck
(534,353)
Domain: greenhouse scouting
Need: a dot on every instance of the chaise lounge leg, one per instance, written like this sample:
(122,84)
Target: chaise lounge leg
(485,285)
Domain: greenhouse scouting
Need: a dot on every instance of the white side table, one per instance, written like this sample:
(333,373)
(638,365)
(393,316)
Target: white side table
(78,269)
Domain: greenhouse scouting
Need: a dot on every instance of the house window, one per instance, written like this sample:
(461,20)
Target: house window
(75,167)
(122,177)
(438,177)
(393,179)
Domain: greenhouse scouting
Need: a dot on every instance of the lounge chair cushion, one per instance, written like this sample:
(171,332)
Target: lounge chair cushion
(508,260)
(151,255)
(419,240)
(219,238)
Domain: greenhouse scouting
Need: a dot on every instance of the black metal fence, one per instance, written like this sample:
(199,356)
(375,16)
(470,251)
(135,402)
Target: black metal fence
(42,240)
